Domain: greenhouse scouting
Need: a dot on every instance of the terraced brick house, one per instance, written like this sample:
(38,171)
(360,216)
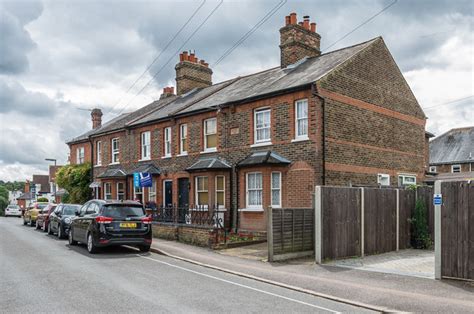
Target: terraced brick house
(345,117)
(452,155)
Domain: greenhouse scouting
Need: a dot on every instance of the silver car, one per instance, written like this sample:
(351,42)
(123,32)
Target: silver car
(13,210)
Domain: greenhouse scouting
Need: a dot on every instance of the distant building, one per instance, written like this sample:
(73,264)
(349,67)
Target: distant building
(452,155)
(13,195)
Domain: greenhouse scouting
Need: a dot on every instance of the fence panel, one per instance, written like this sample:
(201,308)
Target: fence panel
(407,205)
(340,222)
(380,223)
(425,193)
(457,230)
(293,230)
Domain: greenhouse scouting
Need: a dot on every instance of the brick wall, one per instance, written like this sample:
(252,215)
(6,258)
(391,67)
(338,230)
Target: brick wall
(373,122)
(196,235)
(73,152)
(446,168)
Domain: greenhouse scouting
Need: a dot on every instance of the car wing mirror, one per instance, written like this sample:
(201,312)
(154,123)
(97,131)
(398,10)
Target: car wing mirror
(77,213)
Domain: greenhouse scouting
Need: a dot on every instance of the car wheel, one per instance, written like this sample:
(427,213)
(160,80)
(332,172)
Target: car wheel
(144,248)
(24,222)
(45,229)
(91,248)
(49,229)
(71,239)
(60,232)
(37,226)
(32,223)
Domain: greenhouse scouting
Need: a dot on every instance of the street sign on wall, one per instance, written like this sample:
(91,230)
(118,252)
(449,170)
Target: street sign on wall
(437,199)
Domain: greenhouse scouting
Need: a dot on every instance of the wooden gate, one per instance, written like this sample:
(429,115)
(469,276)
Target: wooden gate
(456,249)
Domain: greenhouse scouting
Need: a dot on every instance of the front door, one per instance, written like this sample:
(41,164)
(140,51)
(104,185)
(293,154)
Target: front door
(183,192)
(168,193)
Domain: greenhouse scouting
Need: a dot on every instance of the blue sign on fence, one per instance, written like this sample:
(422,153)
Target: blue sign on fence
(437,199)
(142,179)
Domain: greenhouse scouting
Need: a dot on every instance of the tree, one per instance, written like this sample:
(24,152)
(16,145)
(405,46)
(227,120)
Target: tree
(75,179)
(3,204)
(4,192)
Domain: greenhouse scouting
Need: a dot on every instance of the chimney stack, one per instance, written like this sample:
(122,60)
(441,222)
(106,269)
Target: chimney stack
(191,73)
(96,115)
(298,40)
(167,92)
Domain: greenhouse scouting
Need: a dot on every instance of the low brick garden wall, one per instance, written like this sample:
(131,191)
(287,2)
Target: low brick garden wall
(195,235)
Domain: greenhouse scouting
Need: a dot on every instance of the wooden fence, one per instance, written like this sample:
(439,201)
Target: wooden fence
(455,244)
(359,221)
(290,233)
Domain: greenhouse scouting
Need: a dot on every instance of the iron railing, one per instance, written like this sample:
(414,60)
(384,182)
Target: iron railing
(196,215)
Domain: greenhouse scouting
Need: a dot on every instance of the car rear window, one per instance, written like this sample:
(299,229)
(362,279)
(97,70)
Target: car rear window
(123,211)
(13,206)
(41,206)
(70,209)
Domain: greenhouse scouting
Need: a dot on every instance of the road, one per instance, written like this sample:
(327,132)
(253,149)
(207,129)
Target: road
(39,273)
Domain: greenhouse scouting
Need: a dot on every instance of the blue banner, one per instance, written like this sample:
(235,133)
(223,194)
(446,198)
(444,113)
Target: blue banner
(142,179)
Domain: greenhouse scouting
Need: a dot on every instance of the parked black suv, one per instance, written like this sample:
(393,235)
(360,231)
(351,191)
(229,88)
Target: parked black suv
(61,218)
(102,223)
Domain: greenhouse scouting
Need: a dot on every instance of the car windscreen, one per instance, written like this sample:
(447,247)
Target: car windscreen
(117,211)
(41,206)
(70,210)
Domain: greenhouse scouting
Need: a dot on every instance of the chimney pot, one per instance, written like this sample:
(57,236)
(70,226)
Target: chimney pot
(189,77)
(306,22)
(293,18)
(301,23)
(313,27)
(287,20)
(185,56)
(181,57)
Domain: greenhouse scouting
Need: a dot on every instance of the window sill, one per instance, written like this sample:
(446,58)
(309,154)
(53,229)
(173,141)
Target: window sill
(114,163)
(261,144)
(145,159)
(209,151)
(97,166)
(182,154)
(166,157)
(302,139)
(256,210)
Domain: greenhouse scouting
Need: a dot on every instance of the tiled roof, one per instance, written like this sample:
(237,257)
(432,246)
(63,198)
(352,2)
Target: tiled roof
(456,145)
(267,157)
(111,124)
(303,73)
(148,168)
(112,173)
(25,196)
(209,164)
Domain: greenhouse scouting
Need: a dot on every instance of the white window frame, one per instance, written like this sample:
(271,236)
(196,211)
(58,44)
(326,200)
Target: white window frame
(183,137)
(167,142)
(383,176)
(457,165)
(209,149)
(297,120)
(145,139)
(118,190)
(135,193)
(255,129)
(432,169)
(196,179)
(221,206)
(272,188)
(404,176)
(115,151)
(248,206)
(107,184)
(152,191)
(80,155)
(98,146)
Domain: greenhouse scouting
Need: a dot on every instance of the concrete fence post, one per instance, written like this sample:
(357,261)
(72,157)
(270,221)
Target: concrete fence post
(318,245)
(398,220)
(270,233)
(362,228)
(437,232)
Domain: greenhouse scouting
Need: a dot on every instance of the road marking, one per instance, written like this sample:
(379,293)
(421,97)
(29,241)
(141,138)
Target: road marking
(238,284)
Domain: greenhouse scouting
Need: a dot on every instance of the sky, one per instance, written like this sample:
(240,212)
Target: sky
(59,58)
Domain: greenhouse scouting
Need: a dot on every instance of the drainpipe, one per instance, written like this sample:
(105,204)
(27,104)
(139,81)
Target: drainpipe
(92,162)
(314,92)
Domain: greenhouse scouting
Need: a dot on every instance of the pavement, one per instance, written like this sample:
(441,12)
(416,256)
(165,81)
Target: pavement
(409,262)
(40,273)
(368,289)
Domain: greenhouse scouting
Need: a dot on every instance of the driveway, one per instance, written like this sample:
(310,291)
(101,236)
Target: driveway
(410,262)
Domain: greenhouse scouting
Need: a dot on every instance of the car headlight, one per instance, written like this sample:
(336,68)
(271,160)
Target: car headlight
(67,220)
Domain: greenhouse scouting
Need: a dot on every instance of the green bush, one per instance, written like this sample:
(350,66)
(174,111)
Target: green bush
(3,205)
(42,199)
(75,179)
(420,237)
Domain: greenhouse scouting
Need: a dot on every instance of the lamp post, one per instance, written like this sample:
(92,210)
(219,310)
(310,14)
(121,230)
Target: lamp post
(54,185)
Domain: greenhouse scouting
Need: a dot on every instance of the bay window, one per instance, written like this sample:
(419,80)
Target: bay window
(107,191)
(202,191)
(120,191)
(220,191)
(254,190)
